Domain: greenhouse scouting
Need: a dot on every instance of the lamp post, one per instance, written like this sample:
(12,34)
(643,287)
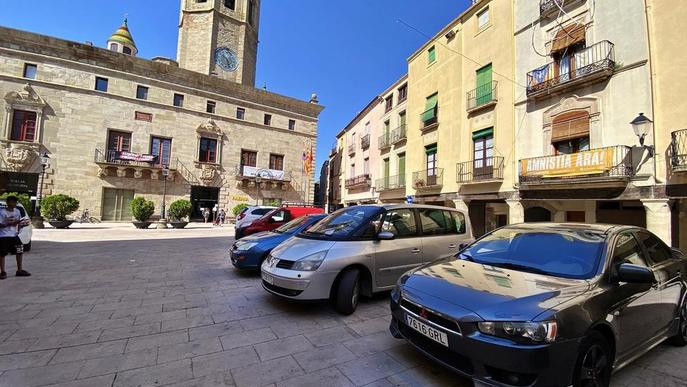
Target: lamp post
(258,180)
(37,218)
(642,126)
(162,224)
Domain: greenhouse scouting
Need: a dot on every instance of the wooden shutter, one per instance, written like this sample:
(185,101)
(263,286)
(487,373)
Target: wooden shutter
(567,36)
(570,125)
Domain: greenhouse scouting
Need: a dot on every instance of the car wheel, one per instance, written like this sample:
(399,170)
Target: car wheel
(594,363)
(680,338)
(348,292)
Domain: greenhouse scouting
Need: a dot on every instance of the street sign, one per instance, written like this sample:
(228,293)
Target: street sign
(409,199)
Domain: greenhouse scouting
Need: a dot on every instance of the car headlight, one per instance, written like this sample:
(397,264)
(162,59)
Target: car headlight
(537,332)
(311,262)
(245,246)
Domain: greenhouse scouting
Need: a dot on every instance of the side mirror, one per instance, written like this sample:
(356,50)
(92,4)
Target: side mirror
(630,273)
(386,236)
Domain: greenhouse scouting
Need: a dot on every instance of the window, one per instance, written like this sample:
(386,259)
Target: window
(162,148)
(483,18)
(231,4)
(574,145)
(429,116)
(431,152)
(126,50)
(627,250)
(201,1)
(118,141)
(433,222)
(658,252)
(179,100)
(483,91)
(400,222)
(251,11)
(402,169)
(211,106)
(268,119)
(142,92)
(114,47)
(402,93)
(483,152)
(352,170)
(292,124)
(570,132)
(240,113)
(208,150)
(366,166)
(23,126)
(277,162)
(101,84)
(431,55)
(30,71)
(249,158)
(389,103)
(456,222)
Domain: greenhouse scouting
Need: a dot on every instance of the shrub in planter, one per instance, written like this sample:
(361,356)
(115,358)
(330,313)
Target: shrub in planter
(238,208)
(57,207)
(142,210)
(179,210)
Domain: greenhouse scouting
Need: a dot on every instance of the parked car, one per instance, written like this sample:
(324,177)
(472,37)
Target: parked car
(545,304)
(249,252)
(26,232)
(362,250)
(251,213)
(274,219)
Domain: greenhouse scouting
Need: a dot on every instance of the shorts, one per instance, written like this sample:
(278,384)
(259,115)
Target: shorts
(10,246)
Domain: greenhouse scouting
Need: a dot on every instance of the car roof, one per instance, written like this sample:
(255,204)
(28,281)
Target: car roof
(404,205)
(586,227)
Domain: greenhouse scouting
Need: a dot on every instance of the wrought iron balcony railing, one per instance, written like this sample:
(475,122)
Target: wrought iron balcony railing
(482,96)
(398,134)
(613,162)
(678,150)
(488,169)
(351,149)
(390,182)
(594,62)
(115,157)
(365,141)
(384,141)
(429,178)
(430,117)
(548,7)
(334,149)
(359,181)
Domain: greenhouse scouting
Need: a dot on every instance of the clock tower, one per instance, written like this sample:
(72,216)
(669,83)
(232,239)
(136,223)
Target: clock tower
(220,38)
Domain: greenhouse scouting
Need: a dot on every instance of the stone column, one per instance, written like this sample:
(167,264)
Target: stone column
(590,211)
(461,205)
(516,212)
(658,219)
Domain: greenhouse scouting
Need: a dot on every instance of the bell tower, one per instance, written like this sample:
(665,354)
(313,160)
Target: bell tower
(220,38)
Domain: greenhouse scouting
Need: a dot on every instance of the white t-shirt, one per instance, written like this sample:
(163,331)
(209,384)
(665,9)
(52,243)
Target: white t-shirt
(5,216)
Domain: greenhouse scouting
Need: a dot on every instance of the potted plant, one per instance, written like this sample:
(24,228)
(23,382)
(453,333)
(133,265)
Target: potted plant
(57,207)
(237,209)
(142,210)
(178,212)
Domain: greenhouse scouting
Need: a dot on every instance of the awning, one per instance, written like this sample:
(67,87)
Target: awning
(567,36)
(483,133)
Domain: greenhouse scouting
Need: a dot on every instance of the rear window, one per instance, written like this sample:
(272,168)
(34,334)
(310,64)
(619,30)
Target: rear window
(433,221)
(262,211)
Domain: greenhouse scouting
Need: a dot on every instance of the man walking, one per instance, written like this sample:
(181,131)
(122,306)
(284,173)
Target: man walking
(10,222)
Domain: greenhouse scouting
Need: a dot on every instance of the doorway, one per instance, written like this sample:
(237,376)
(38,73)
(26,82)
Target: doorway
(117,204)
(201,198)
(537,214)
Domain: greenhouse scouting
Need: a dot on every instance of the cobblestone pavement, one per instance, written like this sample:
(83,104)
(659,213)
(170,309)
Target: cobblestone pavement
(173,312)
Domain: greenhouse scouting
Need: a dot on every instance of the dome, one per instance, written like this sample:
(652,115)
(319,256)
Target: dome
(122,41)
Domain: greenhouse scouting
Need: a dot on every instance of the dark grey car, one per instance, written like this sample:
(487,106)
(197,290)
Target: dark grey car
(545,304)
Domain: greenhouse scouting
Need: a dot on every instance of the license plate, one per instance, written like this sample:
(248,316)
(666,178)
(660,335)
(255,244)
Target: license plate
(268,278)
(428,331)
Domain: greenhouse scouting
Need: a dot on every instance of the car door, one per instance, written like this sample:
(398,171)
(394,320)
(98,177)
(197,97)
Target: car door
(668,274)
(437,242)
(633,306)
(404,252)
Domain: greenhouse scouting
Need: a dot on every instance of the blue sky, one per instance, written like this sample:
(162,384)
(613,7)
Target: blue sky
(345,51)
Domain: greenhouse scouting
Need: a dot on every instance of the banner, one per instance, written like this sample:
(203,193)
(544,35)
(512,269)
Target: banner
(583,163)
(270,174)
(136,157)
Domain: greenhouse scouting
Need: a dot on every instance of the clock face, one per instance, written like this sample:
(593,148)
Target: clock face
(226,59)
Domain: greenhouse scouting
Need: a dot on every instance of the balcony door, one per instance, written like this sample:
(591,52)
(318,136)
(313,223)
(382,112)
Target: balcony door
(431,152)
(162,148)
(248,159)
(484,78)
(119,141)
(386,169)
(483,154)
(402,170)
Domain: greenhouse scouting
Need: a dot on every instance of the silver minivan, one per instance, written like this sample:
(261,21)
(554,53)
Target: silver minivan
(362,250)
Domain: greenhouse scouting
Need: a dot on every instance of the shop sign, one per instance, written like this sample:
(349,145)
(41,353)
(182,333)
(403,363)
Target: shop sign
(18,182)
(239,198)
(583,163)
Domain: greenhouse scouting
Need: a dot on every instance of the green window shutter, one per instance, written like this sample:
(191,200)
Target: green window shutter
(432,54)
(483,133)
(431,149)
(430,105)
(386,168)
(484,78)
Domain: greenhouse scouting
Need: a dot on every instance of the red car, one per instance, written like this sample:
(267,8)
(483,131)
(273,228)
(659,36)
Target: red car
(274,219)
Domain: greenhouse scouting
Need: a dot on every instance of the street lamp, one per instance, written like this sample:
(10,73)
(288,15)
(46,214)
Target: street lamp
(38,219)
(258,180)
(162,224)
(642,127)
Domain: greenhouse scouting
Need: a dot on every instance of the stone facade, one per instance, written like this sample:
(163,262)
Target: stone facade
(74,121)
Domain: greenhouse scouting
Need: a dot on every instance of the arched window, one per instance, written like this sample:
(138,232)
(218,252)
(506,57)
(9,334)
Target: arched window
(570,132)
(114,47)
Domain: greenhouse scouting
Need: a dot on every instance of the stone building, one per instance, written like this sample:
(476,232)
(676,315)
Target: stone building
(113,124)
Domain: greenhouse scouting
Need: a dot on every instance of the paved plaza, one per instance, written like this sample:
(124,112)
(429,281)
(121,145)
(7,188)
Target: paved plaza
(113,306)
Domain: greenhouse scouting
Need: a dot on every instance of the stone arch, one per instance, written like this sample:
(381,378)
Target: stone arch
(538,214)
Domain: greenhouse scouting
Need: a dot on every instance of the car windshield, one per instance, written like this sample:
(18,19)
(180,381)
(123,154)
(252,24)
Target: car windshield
(343,223)
(292,225)
(561,253)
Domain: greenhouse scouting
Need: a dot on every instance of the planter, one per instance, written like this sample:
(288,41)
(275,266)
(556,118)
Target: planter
(178,224)
(61,224)
(142,225)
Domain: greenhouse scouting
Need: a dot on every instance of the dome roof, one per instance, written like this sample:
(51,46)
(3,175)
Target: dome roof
(123,36)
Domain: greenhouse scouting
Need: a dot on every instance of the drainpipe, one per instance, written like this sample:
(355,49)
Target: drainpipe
(647,9)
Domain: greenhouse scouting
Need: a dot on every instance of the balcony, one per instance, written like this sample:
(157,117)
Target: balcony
(480,171)
(351,149)
(397,135)
(428,179)
(131,165)
(361,181)
(267,178)
(552,7)
(594,63)
(678,150)
(430,119)
(365,141)
(601,166)
(482,97)
(384,141)
(390,183)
